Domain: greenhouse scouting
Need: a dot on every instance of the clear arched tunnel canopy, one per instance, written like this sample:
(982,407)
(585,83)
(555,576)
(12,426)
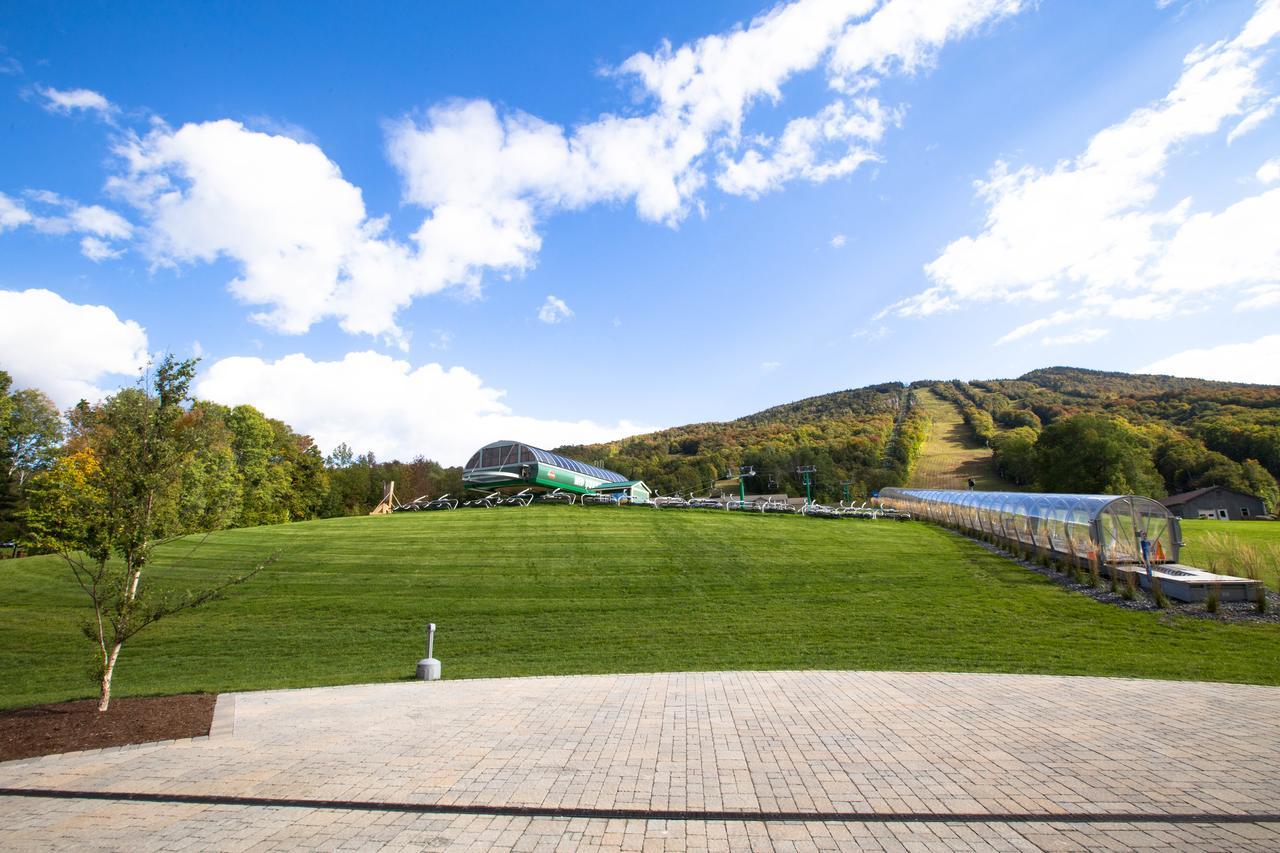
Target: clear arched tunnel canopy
(1110,528)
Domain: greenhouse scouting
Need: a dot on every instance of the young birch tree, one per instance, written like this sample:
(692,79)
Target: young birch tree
(106,505)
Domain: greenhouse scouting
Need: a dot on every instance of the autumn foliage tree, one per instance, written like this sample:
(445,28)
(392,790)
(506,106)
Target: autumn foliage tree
(114,496)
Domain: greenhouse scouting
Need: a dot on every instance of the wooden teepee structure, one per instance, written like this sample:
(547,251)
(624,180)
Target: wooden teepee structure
(388,502)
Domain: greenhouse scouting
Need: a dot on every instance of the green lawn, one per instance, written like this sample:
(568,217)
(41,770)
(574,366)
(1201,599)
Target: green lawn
(570,590)
(1254,533)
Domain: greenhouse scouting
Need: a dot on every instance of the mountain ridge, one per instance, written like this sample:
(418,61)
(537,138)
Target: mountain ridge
(866,438)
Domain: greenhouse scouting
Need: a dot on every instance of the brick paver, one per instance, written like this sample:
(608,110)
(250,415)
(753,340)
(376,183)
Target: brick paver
(808,742)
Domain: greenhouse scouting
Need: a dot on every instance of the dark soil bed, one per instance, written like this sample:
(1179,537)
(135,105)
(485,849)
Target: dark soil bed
(71,726)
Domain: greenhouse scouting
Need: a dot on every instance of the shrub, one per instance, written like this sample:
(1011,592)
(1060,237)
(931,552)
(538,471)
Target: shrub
(1213,598)
(1158,594)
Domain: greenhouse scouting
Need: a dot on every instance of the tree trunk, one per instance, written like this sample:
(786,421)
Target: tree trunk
(104,699)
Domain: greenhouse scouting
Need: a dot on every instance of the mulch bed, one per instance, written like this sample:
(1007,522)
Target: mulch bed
(71,726)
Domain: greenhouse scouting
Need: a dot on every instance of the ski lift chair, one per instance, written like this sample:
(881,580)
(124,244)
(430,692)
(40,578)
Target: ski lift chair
(522,498)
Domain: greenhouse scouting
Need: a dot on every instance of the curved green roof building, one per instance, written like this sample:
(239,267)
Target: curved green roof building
(512,463)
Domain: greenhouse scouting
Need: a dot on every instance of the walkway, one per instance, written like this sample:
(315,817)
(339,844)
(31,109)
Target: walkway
(815,760)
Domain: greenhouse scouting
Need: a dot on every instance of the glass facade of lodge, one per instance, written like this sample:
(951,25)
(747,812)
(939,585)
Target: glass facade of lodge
(1108,527)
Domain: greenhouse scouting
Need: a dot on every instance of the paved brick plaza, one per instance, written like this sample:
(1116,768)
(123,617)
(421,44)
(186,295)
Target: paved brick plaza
(962,761)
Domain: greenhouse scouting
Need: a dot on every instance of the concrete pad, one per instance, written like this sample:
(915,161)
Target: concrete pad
(821,749)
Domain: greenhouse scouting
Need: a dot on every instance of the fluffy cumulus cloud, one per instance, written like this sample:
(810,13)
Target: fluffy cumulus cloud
(305,245)
(554,310)
(1255,361)
(65,349)
(372,401)
(307,249)
(1088,229)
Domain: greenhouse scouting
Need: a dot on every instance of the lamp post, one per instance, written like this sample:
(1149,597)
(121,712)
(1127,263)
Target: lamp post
(807,471)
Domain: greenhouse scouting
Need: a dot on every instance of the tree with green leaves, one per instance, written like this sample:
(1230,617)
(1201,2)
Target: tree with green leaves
(106,505)
(1015,455)
(8,493)
(1095,454)
(33,434)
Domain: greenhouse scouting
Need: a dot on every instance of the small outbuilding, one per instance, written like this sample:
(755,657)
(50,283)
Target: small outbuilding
(1215,502)
(632,490)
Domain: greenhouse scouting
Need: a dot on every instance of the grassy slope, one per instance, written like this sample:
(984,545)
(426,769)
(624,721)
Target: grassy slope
(1250,532)
(570,590)
(953,453)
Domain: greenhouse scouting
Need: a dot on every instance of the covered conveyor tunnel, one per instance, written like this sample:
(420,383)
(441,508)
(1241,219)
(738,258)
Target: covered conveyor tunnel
(1107,528)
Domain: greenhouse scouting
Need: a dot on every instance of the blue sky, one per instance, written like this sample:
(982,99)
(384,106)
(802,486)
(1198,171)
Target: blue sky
(425,228)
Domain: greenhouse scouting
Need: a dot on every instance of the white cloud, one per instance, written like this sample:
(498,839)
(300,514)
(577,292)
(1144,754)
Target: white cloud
(1084,336)
(12,213)
(486,179)
(906,35)
(306,249)
(1268,173)
(93,219)
(815,148)
(1260,298)
(1086,230)
(98,224)
(554,310)
(389,406)
(770,366)
(1230,250)
(1054,319)
(65,349)
(279,207)
(98,250)
(837,241)
(68,100)
(871,334)
(1255,361)
(1253,120)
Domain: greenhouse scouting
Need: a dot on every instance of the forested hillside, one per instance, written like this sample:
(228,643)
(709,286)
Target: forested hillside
(1060,429)
(867,437)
